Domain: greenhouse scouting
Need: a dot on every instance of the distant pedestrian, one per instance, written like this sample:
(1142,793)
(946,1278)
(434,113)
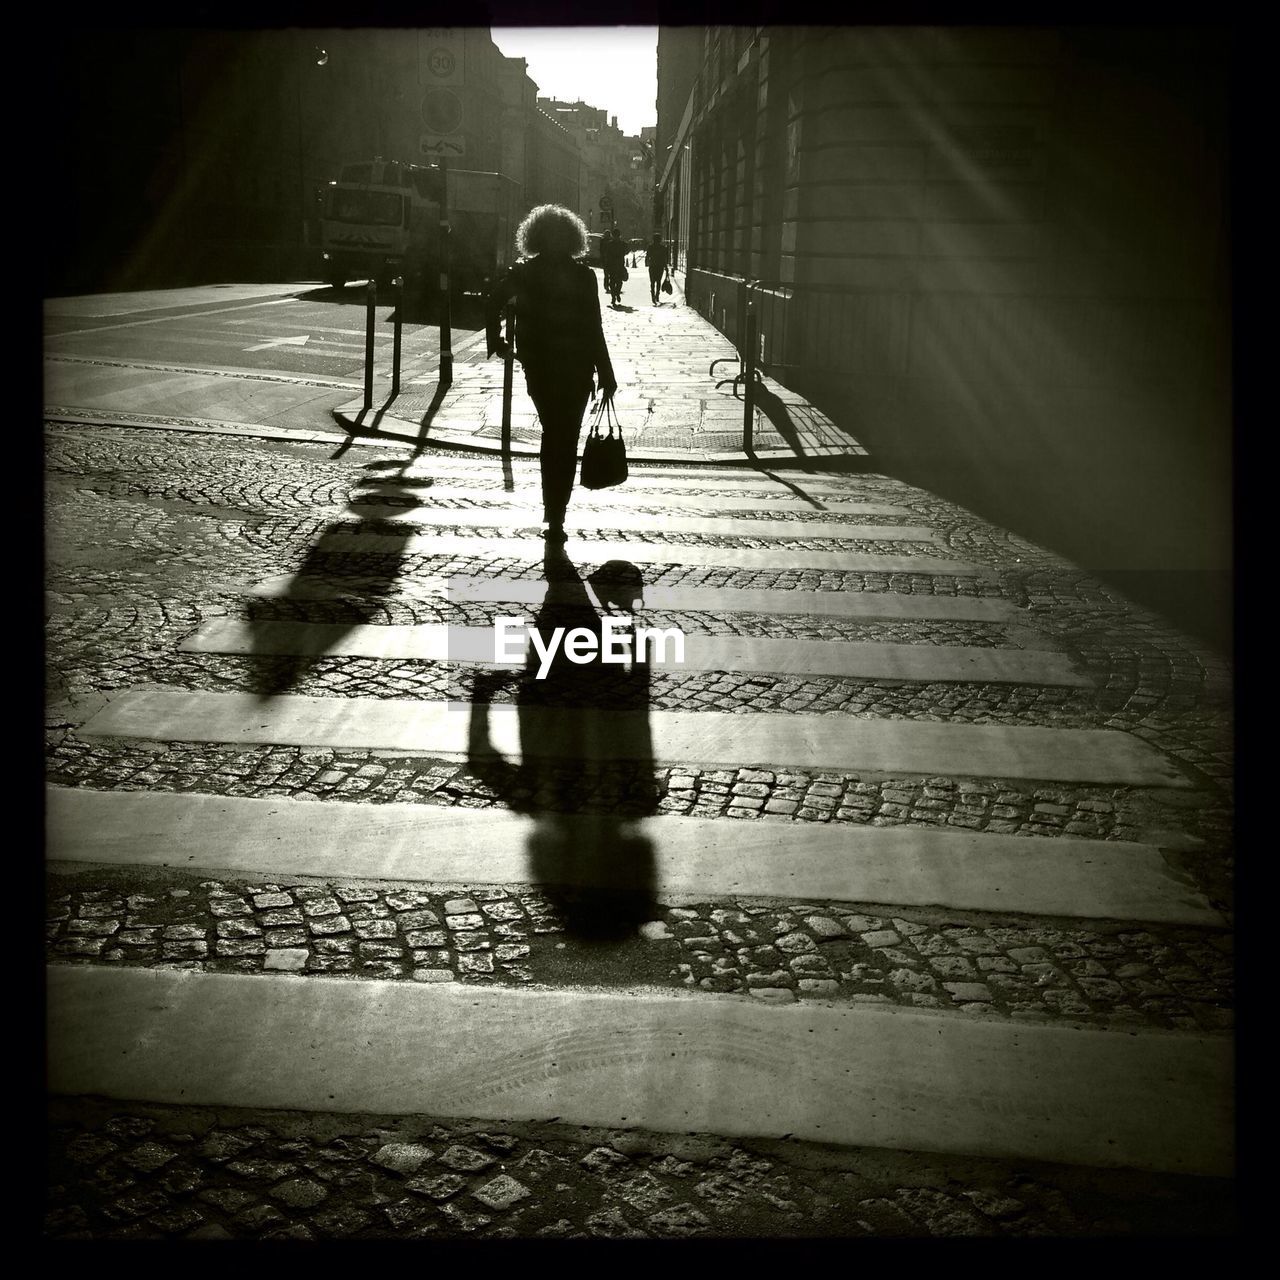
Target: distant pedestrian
(658,260)
(559,341)
(613,257)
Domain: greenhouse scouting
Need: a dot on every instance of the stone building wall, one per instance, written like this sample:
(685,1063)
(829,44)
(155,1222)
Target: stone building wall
(995,253)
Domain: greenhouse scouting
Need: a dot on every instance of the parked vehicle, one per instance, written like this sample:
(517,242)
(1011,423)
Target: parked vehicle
(483,213)
(383,218)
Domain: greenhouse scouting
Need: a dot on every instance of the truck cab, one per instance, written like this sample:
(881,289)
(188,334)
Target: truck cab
(379,219)
(384,218)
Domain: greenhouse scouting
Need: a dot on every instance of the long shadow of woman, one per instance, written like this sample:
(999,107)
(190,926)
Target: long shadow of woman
(584,727)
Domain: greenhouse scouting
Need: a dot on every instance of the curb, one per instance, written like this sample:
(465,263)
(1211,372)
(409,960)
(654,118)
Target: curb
(353,435)
(826,458)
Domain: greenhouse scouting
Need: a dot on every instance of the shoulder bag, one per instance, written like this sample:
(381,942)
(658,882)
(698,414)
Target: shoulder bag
(604,458)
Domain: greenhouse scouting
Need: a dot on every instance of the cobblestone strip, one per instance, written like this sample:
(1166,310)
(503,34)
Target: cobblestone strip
(1115,975)
(968,702)
(131,1171)
(584,514)
(317,773)
(860,546)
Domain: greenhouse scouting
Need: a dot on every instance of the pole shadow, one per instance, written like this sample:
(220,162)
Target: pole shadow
(437,399)
(311,590)
(583,729)
(780,419)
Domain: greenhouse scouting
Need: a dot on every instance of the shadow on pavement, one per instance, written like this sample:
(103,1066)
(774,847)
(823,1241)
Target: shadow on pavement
(583,729)
(311,590)
(1095,516)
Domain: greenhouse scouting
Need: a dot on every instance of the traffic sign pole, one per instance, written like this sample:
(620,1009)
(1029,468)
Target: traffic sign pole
(446,316)
(398,285)
(370,316)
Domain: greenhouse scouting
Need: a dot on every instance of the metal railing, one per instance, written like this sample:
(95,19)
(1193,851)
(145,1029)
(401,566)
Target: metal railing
(761,326)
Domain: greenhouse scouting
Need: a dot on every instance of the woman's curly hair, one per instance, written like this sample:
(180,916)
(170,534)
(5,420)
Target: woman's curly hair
(553,229)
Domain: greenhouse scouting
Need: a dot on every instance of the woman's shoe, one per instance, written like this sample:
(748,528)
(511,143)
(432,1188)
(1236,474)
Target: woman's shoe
(554,533)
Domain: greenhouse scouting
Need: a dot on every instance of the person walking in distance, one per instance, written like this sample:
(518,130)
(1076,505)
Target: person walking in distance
(613,257)
(657,260)
(559,341)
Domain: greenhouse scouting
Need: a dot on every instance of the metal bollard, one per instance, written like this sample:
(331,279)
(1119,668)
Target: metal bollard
(446,316)
(749,385)
(370,303)
(398,285)
(508,374)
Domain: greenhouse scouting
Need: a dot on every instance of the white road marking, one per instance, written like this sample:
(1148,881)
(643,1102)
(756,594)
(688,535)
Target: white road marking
(552,734)
(851,659)
(188,315)
(498,590)
(917,866)
(727,1065)
(298,340)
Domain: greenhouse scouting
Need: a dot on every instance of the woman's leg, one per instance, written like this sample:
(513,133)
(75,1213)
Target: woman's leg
(560,412)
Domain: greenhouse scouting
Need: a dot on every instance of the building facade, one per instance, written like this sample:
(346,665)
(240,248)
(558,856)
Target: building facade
(608,167)
(1002,247)
(201,154)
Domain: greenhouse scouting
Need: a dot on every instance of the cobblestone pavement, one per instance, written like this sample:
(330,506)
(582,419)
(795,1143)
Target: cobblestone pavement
(148,1172)
(208,519)
(150,535)
(1108,975)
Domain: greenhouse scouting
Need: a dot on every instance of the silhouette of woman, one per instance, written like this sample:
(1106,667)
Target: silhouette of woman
(559,341)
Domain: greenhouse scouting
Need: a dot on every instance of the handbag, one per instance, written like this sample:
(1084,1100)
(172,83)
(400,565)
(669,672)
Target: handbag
(666,285)
(604,458)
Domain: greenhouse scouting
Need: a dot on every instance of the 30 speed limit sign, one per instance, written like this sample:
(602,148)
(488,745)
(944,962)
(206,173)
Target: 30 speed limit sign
(440,56)
(441,63)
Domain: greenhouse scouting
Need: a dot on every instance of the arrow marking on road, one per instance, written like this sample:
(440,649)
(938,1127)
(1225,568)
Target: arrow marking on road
(280,342)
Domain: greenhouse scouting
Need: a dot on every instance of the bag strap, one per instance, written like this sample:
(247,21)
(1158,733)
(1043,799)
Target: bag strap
(597,417)
(611,417)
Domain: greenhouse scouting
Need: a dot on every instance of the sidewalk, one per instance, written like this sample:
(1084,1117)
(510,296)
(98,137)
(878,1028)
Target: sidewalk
(671,406)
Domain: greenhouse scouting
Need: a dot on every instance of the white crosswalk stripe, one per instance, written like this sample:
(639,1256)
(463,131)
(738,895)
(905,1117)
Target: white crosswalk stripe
(669,737)
(871,1077)
(437,642)
(713,600)
(908,866)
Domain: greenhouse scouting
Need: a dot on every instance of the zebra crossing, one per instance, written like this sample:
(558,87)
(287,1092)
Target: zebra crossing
(918,1079)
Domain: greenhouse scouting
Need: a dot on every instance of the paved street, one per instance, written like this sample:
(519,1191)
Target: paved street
(901,907)
(271,355)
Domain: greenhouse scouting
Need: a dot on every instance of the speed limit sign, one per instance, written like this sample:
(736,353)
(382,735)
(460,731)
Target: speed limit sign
(441,63)
(441,56)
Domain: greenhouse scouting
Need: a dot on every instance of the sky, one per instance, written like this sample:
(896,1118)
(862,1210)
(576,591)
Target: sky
(613,68)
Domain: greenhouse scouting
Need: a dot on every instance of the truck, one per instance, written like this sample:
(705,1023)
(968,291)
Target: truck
(385,218)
